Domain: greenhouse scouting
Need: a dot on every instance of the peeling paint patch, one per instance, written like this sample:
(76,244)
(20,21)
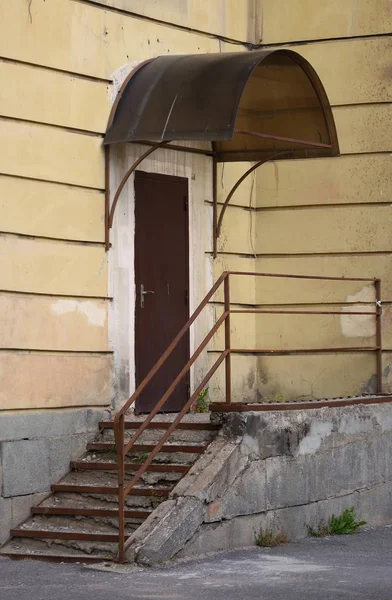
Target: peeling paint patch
(118,77)
(353,425)
(359,325)
(250,443)
(385,421)
(95,314)
(312,442)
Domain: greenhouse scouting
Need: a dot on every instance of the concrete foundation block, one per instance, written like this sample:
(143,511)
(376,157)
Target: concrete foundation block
(375,505)
(147,528)
(286,483)
(26,467)
(197,478)
(223,472)
(247,496)
(48,423)
(5,519)
(31,466)
(351,467)
(21,507)
(172,535)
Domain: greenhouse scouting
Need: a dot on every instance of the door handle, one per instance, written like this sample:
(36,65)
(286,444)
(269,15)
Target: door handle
(143,292)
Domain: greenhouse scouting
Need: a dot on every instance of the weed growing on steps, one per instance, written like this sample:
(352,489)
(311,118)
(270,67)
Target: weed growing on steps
(202,403)
(141,457)
(154,502)
(267,539)
(344,524)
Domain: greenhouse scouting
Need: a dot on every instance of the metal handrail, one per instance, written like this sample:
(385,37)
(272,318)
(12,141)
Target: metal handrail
(225,355)
(119,419)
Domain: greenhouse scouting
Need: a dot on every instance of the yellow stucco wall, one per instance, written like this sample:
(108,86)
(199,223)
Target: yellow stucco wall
(57,61)
(57,64)
(297,20)
(332,216)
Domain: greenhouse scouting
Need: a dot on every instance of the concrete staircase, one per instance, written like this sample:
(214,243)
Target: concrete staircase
(78,521)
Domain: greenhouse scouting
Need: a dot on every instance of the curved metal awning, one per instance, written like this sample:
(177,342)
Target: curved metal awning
(251,106)
(248,104)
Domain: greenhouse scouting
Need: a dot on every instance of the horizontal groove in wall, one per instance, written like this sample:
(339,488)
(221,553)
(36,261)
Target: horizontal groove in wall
(52,239)
(56,70)
(64,352)
(100,134)
(239,254)
(219,303)
(293,255)
(298,304)
(368,36)
(53,409)
(53,181)
(301,206)
(230,205)
(286,207)
(328,304)
(135,15)
(300,353)
(375,153)
(356,104)
(65,296)
(302,254)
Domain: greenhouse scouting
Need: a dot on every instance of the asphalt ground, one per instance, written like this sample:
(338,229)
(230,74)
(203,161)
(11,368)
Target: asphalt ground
(352,567)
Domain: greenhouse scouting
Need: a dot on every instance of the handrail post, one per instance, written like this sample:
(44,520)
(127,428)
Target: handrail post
(121,496)
(227,338)
(377,285)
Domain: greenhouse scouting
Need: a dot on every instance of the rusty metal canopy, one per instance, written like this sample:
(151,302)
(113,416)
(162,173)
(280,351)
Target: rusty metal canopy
(248,104)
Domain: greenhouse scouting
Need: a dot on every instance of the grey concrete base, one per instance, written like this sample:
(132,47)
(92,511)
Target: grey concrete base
(280,472)
(373,506)
(36,448)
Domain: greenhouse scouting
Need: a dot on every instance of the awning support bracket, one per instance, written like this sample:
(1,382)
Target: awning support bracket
(110,210)
(217,223)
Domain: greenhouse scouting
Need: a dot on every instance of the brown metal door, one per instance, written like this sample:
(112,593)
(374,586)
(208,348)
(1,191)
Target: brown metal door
(162,281)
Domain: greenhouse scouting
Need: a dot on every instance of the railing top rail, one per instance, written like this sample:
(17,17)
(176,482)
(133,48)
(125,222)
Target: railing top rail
(290,276)
(253,311)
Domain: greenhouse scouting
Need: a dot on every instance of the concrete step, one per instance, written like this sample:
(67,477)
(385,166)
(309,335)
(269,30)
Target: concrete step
(78,548)
(160,424)
(106,472)
(188,448)
(188,432)
(108,454)
(109,479)
(51,550)
(191,419)
(107,465)
(89,512)
(76,528)
(96,489)
(97,501)
(82,534)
